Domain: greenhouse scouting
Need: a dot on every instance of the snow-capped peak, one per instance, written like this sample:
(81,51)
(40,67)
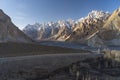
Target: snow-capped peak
(94,14)
(97,14)
(32,27)
(49,27)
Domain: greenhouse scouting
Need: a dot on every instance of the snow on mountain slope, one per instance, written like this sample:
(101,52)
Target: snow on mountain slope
(94,14)
(50,30)
(31,30)
(109,34)
(69,30)
(87,26)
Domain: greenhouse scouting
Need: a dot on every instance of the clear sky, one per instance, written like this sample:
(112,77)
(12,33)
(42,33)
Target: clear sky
(25,12)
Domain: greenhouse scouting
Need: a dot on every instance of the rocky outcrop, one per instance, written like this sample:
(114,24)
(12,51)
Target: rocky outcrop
(9,32)
(69,30)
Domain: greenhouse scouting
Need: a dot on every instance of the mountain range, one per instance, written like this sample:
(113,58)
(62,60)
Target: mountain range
(97,29)
(90,30)
(50,30)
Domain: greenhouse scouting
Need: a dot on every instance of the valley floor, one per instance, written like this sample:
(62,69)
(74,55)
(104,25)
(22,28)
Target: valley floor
(11,68)
(59,67)
(21,61)
(24,49)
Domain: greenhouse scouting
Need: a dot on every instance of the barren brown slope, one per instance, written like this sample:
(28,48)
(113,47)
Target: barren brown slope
(9,32)
(24,49)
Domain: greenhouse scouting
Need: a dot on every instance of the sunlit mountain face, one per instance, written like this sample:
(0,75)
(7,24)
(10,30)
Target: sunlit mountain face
(54,27)
(97,29)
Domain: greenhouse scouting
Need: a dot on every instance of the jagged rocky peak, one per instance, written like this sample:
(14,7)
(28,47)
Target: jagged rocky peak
(87,26)
(98,14)
(97,28)
(32,27)
(63,28)
(50,29)
(94,14)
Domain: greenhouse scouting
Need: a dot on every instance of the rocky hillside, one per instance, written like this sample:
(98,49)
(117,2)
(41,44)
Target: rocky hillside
(9,32)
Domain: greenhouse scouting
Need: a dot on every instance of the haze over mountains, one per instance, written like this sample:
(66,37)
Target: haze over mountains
(97,29)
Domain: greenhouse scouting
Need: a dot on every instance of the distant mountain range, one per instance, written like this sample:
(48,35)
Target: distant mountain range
(50,30)
(97,29)
(63,29)
(81,30)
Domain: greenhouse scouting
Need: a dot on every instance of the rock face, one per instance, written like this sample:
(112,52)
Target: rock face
(109,34)
(111,29)
(9,32)
(87,26)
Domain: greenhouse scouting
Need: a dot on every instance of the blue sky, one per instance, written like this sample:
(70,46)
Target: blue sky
(23,12)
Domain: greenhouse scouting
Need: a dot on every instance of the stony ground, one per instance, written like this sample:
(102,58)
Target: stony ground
(38,67)
(56,63)
(60,67)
